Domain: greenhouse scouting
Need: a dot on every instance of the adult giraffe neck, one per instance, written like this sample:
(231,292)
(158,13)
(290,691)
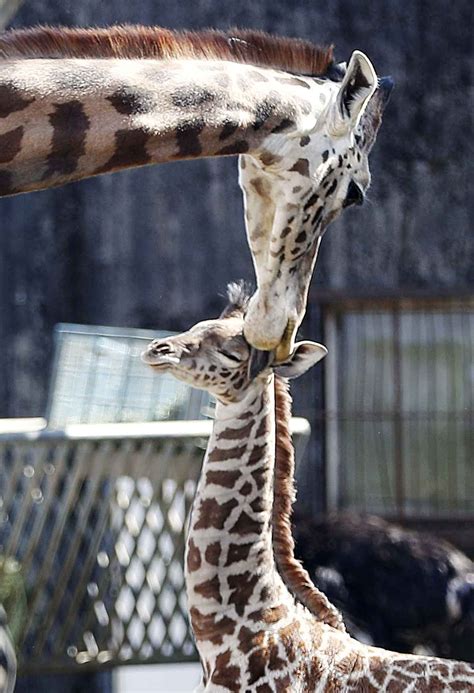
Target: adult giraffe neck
(68,119)
(295,577)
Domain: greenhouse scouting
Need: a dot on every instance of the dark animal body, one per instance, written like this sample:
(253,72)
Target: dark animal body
(401,588)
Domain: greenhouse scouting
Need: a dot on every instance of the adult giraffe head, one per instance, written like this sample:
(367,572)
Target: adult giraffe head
(76,103)
(299,182)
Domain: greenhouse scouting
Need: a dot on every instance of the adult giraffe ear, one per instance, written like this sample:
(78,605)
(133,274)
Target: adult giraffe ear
(303,357)
(358,85)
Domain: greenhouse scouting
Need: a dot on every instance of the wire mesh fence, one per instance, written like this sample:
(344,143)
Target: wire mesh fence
(92,524)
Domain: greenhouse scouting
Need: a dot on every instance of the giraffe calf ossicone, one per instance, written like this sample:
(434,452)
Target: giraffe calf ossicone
(260,626)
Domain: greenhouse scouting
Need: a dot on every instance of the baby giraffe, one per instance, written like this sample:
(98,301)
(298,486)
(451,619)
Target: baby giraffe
(258,623)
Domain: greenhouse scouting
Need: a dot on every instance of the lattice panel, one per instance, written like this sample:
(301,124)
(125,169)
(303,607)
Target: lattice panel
(97,528)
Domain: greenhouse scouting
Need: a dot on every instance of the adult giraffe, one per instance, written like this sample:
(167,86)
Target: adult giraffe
(76,103)
(260,625)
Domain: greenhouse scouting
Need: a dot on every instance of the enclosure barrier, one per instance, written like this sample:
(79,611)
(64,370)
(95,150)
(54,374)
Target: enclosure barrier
(92,525)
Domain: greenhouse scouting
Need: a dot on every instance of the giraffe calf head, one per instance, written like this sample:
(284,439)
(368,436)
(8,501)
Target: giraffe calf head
(215,356)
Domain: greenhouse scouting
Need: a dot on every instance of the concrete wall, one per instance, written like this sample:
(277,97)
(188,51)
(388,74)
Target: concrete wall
(155,247)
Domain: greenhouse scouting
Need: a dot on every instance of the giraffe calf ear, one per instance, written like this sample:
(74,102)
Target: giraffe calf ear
(358,85)
(303,357)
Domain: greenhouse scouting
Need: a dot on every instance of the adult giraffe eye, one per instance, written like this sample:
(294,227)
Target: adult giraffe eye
(355,195)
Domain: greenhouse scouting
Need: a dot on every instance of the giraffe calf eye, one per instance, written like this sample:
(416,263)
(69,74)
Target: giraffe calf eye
(233,357)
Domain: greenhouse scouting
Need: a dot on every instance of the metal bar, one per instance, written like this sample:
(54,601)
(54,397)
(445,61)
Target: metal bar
(398,422)
(332,452)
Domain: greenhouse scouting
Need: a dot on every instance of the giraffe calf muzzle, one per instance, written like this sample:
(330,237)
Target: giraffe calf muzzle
(160,354)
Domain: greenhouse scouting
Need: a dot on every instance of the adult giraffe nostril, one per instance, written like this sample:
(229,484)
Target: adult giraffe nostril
(355,195)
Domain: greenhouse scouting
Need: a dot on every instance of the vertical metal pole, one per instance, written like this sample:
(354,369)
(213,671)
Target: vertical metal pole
(332,419)
(398,423)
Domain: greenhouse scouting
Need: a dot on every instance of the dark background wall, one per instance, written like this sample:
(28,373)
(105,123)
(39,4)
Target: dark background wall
(155,247)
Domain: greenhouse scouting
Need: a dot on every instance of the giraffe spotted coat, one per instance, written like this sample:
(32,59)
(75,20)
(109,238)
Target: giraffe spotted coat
(251,632)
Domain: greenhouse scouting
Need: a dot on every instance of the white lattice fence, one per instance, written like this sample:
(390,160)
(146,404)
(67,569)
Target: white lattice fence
(93,521)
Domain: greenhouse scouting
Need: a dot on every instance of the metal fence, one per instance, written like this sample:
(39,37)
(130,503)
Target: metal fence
(92,523)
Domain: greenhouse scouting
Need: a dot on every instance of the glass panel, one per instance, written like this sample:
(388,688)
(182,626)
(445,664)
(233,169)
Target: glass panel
(406,410)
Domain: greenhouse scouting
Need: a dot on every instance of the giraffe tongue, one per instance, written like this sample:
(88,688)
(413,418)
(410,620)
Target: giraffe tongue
(259,360)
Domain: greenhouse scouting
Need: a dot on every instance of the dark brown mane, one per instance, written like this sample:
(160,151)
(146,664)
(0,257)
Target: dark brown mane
(292,572)
(130,41)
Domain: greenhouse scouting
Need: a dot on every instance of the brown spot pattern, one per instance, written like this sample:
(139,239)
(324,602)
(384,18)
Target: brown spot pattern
(284,125)
(274,659)
(259,476)
(130,150)
(264,688)
(258,505)
(256,666)
(283,685)
(192,97)
(246,525)
(264,427)
(236,433)
(301,167)
(210,626)
(242,587)
(257,454)
(225,478)
(213,552)
(210,589)
(268,158)
(248,639)
(228,130)
(221,454)
(12,100)
(10,144)
(245,489)
(187,138)
(272,615)
(237,552)
(127,102)
(193,557)
(225,675)
(237,147)
(213,514)
(70,125)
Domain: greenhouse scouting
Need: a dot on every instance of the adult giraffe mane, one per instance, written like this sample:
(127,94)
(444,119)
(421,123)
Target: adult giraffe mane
(135,41)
